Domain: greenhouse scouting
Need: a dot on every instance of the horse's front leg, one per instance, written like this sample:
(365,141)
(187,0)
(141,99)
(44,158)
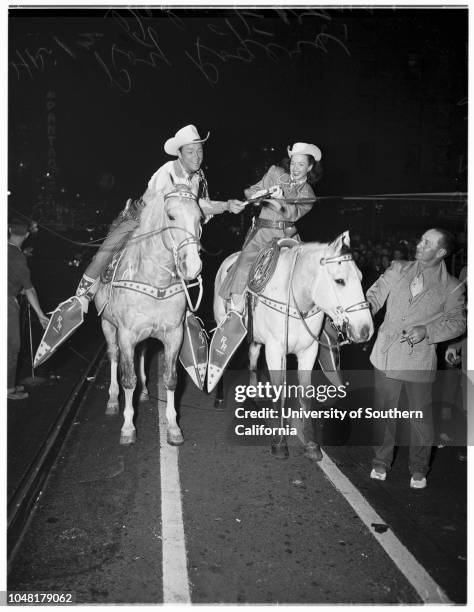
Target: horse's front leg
(254,352)
(274,358)
(144,397)
(172,342)
(306,359)
(110,333)
(127,342)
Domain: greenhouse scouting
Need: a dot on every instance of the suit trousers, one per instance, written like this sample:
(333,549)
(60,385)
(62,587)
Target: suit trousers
(387,395)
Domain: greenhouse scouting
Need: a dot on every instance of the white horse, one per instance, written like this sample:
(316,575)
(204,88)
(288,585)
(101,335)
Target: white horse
(310,280)
(147,298)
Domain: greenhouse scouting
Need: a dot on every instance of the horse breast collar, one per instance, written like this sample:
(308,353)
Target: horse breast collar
(159,293)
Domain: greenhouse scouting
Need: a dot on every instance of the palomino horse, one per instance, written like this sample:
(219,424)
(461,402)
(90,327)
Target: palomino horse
(147,298)
(314,279)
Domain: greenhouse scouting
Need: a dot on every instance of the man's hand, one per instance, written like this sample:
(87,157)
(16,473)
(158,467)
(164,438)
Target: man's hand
(452,356)
(236,206)
(415,334)
(44,320)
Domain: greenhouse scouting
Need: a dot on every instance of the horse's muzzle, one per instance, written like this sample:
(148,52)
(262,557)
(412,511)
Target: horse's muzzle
(190,272)
(361,335)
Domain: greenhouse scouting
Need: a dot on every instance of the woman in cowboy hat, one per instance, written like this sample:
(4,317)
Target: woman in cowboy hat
(277,218)
(294,198)
(186,146)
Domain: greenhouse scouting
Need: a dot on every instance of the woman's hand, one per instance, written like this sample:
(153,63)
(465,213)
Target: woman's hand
(276,191)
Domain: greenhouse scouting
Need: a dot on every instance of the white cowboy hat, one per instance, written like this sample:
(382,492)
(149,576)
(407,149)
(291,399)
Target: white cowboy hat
(184,136)
(307,149)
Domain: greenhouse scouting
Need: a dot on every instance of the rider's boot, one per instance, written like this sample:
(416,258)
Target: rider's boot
(86,291)
(66,318)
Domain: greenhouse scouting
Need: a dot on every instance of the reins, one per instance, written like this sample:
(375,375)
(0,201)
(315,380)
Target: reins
(174,250)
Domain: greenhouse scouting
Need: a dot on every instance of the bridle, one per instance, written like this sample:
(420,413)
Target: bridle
(341,324)
(175,248)
(192,238)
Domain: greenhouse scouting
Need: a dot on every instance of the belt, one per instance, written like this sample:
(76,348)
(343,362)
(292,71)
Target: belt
(273,224)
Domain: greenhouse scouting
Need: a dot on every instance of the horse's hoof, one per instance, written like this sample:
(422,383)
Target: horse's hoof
(112,408)
(313,451)
(144,396)
(280,451)
(130,438)
(174,438)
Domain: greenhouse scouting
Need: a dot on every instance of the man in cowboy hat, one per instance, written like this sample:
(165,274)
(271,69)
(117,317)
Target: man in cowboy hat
(186,146)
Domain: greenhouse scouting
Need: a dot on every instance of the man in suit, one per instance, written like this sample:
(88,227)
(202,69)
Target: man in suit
(424,306)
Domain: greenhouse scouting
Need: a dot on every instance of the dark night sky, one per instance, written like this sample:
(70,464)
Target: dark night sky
(126,81)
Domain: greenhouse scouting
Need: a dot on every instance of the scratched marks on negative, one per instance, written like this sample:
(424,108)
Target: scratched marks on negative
(209,46)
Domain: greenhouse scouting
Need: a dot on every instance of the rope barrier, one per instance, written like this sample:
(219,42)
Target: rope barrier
(442,196)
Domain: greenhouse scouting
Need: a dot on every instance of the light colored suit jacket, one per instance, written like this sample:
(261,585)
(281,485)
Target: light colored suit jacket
(440,307)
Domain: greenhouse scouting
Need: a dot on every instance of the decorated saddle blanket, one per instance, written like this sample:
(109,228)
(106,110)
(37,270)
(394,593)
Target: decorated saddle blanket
(264,266)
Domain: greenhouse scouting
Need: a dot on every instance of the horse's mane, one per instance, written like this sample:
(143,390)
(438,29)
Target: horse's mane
(316,246)
(141,242)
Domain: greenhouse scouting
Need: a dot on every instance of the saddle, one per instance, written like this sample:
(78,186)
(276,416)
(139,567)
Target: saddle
(264,266)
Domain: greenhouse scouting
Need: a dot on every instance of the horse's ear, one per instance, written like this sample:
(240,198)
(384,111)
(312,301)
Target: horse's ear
(346,239)
(343,240)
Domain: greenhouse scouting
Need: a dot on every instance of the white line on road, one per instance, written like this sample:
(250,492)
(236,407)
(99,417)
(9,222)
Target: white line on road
(175,569)
(417,576)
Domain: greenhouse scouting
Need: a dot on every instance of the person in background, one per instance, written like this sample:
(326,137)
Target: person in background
(18,280)
(457,380)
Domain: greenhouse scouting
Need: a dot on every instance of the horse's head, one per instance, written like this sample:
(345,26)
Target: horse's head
(182,219)
(339,292)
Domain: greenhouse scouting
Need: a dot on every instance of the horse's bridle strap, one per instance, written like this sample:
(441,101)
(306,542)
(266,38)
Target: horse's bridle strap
(358,306)
(178,193)
(335,259)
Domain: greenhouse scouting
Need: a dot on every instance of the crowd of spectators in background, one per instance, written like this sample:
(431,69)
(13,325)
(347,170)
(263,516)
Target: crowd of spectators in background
(373,257)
